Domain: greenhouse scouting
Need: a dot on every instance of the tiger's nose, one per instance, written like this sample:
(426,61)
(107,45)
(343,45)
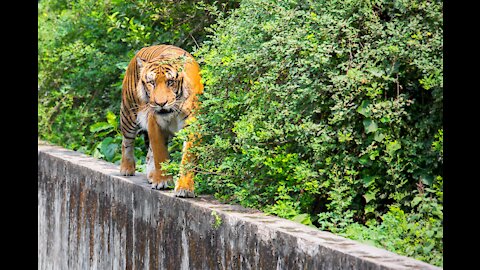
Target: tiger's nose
(160,103)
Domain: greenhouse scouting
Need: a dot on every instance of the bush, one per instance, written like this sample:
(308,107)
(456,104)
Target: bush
(326,112)
(414,234)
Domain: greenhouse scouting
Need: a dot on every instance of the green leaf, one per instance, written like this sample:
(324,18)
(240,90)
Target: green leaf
(368,179)
(370,126)
(363,108)
(122,65)
(102,134)
(428,248)
(374,154)
(370,196)
(97,154)
(99,126)
(426,179)
(364,160)
(392,147)
(112,119)
(416,201)
(379,136)
(108,149)
(369,209)
(376,72)
(385,119)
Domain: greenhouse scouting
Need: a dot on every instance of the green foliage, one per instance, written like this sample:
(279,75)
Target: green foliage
(415,235)
(331,109)
(110,147)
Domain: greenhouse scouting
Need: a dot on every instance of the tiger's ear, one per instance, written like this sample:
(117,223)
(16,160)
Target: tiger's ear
(141,62)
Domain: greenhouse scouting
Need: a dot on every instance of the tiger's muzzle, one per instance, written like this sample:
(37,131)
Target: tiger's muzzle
(161,110)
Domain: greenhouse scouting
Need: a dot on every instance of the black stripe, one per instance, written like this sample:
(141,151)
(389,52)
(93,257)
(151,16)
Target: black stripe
(127,89)
(126,130)
(180,88)
(150,51)
(154,51)
(128,125)
(131,71)
(130,92)
(134,70)
(125,112)
(146,91)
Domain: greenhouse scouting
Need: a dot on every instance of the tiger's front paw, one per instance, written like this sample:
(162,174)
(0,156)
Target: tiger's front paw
(158,180)
(184,193)
(127,167)
(184,187)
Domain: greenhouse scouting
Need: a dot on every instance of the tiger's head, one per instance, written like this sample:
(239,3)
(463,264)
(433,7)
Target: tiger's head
(164,83)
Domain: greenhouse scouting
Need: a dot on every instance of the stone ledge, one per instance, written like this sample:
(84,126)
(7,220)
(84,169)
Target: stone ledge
(91,217)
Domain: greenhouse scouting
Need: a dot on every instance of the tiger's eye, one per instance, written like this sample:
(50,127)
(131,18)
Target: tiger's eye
(170,82)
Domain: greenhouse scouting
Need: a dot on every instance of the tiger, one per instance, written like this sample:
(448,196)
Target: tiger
(160,93)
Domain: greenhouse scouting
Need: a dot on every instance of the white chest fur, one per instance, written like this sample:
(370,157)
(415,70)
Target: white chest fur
(171,123)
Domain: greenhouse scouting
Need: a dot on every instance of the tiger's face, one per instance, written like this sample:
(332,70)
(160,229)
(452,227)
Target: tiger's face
(161,85)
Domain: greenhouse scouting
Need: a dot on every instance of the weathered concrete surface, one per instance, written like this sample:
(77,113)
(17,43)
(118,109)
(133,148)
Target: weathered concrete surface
(90,217)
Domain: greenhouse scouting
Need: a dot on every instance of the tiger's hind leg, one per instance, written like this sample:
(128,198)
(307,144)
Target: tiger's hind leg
(129,130)
(127,166)
(185,185)
(150,164)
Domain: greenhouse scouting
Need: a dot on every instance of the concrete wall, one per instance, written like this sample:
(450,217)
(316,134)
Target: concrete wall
(90,217)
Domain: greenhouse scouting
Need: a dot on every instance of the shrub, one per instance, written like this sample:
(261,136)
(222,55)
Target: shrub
(414,234)
(330,109)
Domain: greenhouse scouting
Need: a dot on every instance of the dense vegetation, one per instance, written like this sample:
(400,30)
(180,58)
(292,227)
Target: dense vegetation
(324,112)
